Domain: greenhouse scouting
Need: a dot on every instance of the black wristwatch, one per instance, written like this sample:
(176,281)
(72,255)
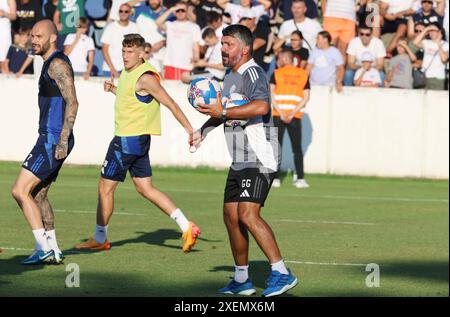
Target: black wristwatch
(224,114)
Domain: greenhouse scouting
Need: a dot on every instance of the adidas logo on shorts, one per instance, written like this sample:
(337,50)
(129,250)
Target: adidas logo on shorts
(245,194)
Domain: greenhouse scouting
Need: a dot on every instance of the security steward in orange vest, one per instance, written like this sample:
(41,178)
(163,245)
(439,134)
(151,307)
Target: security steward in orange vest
(290,93)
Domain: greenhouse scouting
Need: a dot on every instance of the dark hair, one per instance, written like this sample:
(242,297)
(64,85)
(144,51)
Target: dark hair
(297,1)
(147,45)
(208,32)
(23,31)
(131,40)
(212,16)
(299,33)
(83,22)
(365,27)
(240,32)
(327,35)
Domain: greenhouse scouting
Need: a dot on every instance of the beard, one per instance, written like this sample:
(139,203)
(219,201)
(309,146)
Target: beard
(41,50)
(231,62)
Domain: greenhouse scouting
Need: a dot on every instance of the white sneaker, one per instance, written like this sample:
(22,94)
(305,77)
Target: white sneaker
(301,183)
(294,177)
(276,183)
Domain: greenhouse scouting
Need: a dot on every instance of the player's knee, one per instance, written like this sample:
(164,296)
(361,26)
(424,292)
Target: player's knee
(18,193)
(246,218)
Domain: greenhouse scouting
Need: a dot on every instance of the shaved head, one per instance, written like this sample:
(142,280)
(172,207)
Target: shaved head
(43,38)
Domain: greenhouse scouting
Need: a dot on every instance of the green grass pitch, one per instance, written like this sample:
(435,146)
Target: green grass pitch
(327,234)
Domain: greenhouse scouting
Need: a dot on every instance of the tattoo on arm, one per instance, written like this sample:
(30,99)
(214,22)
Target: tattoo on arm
(61,73)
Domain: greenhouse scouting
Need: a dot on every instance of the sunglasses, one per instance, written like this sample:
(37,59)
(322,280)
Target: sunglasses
(365,34)
(124,11)
(180,10)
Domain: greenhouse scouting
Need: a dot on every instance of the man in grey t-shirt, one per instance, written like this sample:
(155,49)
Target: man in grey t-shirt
(254,149)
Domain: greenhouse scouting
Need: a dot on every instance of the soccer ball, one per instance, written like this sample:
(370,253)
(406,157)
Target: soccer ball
(203,90)
(235,100)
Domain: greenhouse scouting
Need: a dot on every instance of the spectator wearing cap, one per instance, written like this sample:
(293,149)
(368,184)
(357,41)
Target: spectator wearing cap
(260,36)
(80,49)
(325,64)
(427,15)
(436,54)
(367,75)
(237,11)
(365,42)
(183,39)
(309,28)
(395,15)
(400,67)
(339,18)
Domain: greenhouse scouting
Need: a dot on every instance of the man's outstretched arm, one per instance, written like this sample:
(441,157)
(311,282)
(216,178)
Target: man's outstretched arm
(60,72)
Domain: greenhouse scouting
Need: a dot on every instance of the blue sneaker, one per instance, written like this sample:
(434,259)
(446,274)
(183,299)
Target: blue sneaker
(38,257)
(279,283)
(236,288)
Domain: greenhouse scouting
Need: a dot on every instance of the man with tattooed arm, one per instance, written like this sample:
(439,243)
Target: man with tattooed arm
(58,107)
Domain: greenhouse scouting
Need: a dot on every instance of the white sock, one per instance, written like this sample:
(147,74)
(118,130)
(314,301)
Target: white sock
(51,240)
(180,219)
(100,233)
(41,240)
(280,267)
(241,273)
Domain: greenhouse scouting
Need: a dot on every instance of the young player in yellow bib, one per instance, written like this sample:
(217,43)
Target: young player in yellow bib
(137,116)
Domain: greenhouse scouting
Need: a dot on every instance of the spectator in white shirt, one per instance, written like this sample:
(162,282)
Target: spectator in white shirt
(365,42)
(80,49)
(236,11)
(112,41)
(309,28)
(436,53)
(367,75)
(183,38)
(212,61)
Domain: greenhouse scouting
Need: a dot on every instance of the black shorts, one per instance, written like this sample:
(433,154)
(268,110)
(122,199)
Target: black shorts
(248,185)
(41,160)
(392,26)
(127,154)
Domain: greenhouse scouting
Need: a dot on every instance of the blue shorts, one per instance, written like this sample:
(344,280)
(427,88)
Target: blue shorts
(41,160)
(127,154)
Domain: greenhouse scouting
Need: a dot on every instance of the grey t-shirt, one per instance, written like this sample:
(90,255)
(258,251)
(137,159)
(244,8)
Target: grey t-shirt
(401,67)
(256,144)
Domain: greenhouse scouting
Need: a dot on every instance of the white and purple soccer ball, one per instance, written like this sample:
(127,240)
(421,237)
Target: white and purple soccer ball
(203,90)
(235,100)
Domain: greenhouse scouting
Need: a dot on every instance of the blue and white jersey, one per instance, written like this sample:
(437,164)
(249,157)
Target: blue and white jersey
(256,144)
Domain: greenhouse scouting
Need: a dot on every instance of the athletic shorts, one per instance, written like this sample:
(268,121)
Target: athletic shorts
(248,185)
(127,154)
(173,73)
(339,28)
(41,160)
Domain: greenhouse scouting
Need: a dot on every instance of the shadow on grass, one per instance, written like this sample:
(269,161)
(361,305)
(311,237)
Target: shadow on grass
(423,270)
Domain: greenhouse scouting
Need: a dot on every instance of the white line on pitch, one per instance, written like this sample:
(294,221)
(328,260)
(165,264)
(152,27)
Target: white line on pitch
(325,263)
(15,249)
(327,222)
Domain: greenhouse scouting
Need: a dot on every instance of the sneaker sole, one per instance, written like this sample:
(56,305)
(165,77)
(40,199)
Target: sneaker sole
(284,289)
(247,292)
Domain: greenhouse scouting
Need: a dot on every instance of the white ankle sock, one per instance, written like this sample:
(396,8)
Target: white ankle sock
(180,219)
(280,267)
(100,233)
(41,240)
(241,273)
(51,240)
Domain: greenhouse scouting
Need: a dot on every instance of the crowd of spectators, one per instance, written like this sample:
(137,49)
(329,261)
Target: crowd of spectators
(371,43)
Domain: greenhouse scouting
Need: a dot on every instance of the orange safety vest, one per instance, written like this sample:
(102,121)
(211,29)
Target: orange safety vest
(289,84)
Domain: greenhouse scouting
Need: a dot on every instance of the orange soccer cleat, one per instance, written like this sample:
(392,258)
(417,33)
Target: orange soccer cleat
(91,244)
(190,237)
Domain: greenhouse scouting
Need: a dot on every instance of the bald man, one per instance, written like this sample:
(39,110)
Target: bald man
(58,107)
